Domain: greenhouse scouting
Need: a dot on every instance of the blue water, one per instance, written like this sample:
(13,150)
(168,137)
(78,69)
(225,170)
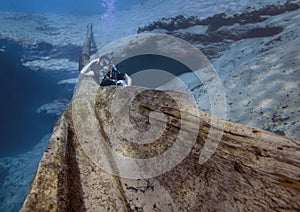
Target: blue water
(23,91)
(64,6)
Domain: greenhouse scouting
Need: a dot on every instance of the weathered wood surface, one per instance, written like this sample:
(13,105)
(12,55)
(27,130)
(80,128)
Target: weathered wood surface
(86,50)
(251,170)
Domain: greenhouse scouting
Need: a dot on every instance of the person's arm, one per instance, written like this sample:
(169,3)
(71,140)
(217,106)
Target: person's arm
(86,69)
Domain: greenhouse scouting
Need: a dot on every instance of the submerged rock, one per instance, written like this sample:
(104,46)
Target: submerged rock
(215,34)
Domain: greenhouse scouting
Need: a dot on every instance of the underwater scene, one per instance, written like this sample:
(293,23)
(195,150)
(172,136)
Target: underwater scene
(250,48)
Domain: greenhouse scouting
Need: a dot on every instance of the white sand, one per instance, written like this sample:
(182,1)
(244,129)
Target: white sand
(265,84)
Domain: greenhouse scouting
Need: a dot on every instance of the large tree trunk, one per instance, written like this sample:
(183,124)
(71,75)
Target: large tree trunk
(86,50)
(160,136)
(251,169)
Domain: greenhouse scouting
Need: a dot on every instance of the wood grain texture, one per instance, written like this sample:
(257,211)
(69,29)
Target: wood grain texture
(251,169)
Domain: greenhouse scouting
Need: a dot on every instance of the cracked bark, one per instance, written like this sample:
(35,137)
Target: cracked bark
(251,169)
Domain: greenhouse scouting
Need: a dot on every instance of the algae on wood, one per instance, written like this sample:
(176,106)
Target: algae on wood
(251,169)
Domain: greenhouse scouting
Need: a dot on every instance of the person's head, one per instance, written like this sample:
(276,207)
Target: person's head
(104,61)
(101,64)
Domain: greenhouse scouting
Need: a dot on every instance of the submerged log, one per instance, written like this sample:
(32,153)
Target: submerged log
(86,50)
(135,149)
(251,170)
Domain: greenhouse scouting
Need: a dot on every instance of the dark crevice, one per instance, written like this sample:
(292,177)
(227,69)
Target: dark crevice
(74,197)
(218,37)
(213,43)
(237,134)
(216,21)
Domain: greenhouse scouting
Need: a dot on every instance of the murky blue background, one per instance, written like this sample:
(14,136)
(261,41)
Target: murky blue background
(62,6)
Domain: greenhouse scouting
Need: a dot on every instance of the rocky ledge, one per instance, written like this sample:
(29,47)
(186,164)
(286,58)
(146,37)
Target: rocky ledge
(214,34)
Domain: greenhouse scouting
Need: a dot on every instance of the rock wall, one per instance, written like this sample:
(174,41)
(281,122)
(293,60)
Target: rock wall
(215,34)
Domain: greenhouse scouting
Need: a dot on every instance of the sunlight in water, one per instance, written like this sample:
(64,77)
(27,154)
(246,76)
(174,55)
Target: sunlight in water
(290,85)
(266,103)
(109,17)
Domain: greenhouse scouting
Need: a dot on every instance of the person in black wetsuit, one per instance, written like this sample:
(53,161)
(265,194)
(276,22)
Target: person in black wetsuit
(110,75)
(106,73)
